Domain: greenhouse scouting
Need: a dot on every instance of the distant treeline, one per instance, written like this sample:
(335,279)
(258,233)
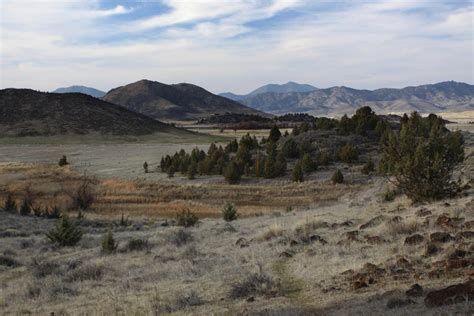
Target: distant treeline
(251,121)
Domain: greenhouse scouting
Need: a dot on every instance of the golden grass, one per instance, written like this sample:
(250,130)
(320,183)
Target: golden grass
(138,198)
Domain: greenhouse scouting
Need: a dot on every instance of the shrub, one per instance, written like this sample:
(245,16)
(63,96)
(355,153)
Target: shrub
(229,213)
(422,157)
(290,148)
(298,172)
(324,158)
(192,170)
(66,233)
(256,284)
(368,167)
(108,243)
(232,173)
(186,218)
(25,208)
(54,213)
(10,204)
(42,268)
(337,177)
(180,237)
(138,245)
(124,221)
(8,261)
(37,211)
(91,272)
(63,161)
(83,196)
(347,153)
(390,194)
(145,167)
(275,134)
(308,164)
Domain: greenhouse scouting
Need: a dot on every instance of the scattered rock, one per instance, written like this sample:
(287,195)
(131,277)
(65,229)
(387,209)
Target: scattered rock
(347,223)
(287,254)
(358,285)
(441,237)
(458,254)
(242,242)
(415,291)
(468,225)
(448,222)
(414,239)
(373,222)
(251,299)
(465,235)
(432,249)
(398,302)
(403,263)
(452,264)
(451,295)
(422,212)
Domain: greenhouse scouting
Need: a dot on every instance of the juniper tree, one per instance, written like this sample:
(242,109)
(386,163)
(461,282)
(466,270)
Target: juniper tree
(337,177)
(298,172)
(10,204)
(65,233)
(232,173)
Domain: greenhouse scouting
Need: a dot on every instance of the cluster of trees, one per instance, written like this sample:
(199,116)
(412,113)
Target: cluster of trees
(422,156)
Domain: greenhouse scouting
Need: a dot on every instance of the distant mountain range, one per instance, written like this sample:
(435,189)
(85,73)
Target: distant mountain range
(271,88)
(182,101)
(25,112)
(81,89)
(446,96)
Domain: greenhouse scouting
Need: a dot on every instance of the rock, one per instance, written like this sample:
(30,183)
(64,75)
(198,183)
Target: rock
(343,224)
(358,285)
(414,239)
(441,237)
(287,254)
(251,299)
(432,249)
(373,270)
(448,222)
(465,235)
(446,204)
(458,254)
(398,302)
(242,242)
(422,212)
(453,264)
(294,243)
(451,295)
(415,291)
(468,225)
(375,240)
(373,222)
(397,219)
(403,263)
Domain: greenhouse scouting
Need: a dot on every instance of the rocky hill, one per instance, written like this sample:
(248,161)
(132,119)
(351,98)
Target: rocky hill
(174,102)
(441,97)
(81,89)
(272,88)
(25,112)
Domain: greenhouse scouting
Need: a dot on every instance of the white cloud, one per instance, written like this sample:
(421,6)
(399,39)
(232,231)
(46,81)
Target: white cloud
(367,45)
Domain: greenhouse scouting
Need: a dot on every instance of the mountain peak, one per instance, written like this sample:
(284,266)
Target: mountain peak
(81,89)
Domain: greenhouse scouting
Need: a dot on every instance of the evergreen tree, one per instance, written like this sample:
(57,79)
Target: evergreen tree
(63,161)
(25,208)
(232,173)
(269,168)
(290,148)
(348,153)
(280,165)
(66,233)
(275,134)
(229,213)
(145,167)
(308,164)
(10,204)
(192,169)
(298,172)
(108,243)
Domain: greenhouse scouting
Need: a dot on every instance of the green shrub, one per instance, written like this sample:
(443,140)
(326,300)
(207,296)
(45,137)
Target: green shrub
(229,213)
(186,218)
(308,164)
(422,157)
(337,177)
(390,195)
(63,161)
(138,245)
(66,233)
(108,243)
(347,153)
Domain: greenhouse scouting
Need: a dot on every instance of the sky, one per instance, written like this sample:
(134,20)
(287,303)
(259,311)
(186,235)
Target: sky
(235,45)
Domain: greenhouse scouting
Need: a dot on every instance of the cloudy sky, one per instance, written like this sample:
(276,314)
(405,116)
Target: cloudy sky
(235,45)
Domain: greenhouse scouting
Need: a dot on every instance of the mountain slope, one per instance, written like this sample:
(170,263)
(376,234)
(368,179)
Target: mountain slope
(25,112)
(81,89)
(174,102)
(272,88)
(440,97)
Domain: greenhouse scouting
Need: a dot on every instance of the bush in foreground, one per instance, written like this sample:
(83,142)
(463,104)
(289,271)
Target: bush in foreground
(186,218)
(108,243)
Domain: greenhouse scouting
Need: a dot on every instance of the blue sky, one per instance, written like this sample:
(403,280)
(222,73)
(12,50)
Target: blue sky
(232,45)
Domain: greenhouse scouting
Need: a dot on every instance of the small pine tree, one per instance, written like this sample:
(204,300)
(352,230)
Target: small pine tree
(10,204)
(66,233)
(170,171)
(192,170)
(25,208)
(63,161)
(308,164)
(229,213)
(275,134)
(108,243)
(269,168)
(145,167)
(337,177)
(298,172)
